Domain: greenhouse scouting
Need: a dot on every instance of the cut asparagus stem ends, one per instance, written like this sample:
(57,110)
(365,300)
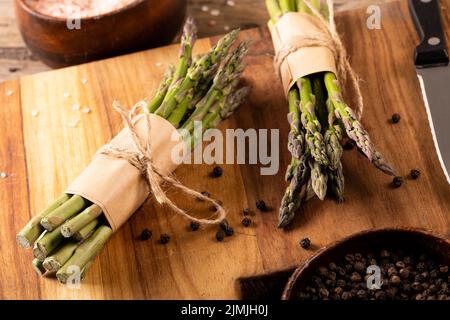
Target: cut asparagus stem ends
(38,267)
(80,220)
(31,232)
(87,231)
(85,253)
(67,210)
(61,255)
(47,243)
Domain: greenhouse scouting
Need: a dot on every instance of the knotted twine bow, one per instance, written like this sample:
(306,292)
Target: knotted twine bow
(141,159)
(330,39)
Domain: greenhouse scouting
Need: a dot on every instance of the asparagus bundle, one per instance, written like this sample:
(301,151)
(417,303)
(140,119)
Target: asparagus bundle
(319,120)
(71,231)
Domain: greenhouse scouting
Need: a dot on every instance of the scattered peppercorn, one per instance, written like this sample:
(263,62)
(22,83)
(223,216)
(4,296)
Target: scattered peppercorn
(397,182)
(246,222)
(305,243)
(194,225)
(145,235)
(395,118)
(13,69)
(220,235)
(415,174)
(229,232)
(217,172)
(261,205)
(349,145)
(246,211)
(164,238)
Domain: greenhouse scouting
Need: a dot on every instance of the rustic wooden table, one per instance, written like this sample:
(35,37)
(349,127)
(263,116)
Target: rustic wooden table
(16,60)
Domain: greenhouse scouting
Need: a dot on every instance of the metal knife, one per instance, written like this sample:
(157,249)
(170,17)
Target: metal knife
(432,64)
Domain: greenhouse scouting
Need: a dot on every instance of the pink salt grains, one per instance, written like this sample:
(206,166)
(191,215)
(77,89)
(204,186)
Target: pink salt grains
(77,8)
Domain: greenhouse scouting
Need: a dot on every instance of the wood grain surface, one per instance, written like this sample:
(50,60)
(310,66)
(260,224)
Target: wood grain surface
(42,154)
(16,60)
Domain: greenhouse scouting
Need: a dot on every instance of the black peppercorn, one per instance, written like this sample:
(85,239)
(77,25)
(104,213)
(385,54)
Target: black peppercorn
(361,294)
(145,235)
(355,277)
(246,211)
(305,243)
(13,69)
(404,273)
(217,172)
(346,295)
(349,145)
(229,231)
(261,205)
(415,174)
(224,225)
(164,238)
(397,182)
(246,222)
(395,118)
(395,280)
(443,269)
(220,235)
(194,225)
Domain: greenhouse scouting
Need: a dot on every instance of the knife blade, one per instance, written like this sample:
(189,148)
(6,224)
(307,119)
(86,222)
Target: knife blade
(433,70)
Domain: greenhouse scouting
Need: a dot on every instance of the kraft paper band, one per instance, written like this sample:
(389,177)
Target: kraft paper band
(306,60)
(117,186)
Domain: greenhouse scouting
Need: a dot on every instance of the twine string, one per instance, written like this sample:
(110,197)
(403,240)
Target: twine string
(141,159)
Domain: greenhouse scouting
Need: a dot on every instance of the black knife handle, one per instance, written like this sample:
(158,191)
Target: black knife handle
(432,50)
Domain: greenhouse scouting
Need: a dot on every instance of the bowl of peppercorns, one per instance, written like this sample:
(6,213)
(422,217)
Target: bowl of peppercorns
(384,264)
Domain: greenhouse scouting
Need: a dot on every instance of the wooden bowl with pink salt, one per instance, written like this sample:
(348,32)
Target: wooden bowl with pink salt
(69,32)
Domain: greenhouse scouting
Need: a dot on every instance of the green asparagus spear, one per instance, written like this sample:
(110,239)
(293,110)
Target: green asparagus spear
(70,227)
(31,232)
(85,253)
(61,255)
(353,127)
(162,90)
(87,231)
(48,241)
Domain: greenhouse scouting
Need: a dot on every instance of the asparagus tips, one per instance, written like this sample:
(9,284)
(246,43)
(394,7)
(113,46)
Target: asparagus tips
(336,178)
(85,253)
(67,210)
(31,232)
(38,267)
(319,180)
(200,69)
(353,127)
(187,43)
(54,262)
(80,221)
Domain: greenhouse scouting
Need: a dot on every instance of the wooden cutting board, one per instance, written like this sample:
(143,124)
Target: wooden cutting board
(42,154)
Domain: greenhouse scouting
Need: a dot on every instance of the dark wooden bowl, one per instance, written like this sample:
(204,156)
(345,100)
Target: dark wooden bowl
(141,25)
(415,240)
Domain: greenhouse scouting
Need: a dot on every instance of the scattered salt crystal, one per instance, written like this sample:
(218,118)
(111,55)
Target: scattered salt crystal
(66,95)
(212,23)
(215,12)
(230,3)
(34,113)
(86,110)
(9,93)
(3,175)
(226,28)
(74,123)
(205,8)
(158,64)
(84,81)
(75,107)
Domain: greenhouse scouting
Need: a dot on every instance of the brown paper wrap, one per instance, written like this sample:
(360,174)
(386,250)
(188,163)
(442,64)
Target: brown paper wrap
(306,60)
(117,186)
